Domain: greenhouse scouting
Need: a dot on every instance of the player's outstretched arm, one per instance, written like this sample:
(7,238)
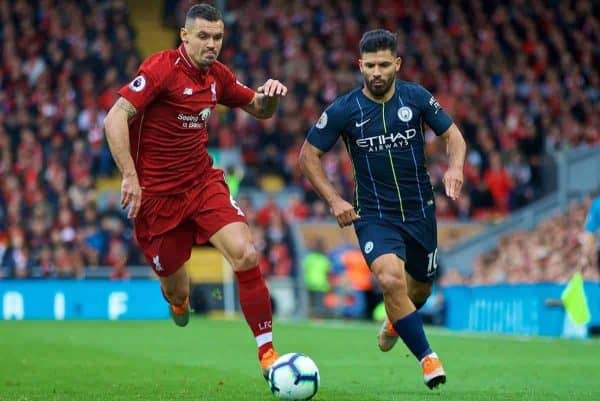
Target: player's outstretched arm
(456,148)
(266,99)
(312,168)
(116,128)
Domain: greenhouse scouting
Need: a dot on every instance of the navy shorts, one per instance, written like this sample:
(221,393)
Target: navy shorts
(414,242)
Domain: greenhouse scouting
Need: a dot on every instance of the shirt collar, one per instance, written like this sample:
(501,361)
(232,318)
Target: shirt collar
(188,64)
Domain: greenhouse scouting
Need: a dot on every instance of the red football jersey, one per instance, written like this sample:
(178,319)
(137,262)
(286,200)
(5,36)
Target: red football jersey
(174,100)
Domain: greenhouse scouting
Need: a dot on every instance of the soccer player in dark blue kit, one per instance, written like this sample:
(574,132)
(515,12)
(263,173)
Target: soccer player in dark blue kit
(393,214)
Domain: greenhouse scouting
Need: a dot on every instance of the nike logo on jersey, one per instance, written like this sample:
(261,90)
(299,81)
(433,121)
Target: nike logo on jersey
(360,124)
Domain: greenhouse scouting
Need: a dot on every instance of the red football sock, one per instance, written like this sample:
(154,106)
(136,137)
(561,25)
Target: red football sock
(256,305)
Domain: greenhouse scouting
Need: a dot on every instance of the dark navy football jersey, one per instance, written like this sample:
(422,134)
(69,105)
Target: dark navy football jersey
(386,144)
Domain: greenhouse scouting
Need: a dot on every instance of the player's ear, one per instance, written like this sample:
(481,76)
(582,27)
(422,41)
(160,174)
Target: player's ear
(360,64)
(183,34)
(398,63)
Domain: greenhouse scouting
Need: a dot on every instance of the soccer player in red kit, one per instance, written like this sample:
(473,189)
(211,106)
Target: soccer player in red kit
(157,135)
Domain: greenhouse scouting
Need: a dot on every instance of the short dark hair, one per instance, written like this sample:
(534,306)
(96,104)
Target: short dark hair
(204,11)
(378,39)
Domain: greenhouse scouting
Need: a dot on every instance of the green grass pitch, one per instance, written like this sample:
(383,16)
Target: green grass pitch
(216,360)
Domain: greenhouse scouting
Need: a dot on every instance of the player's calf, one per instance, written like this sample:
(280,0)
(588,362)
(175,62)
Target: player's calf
(419,293)
(255,302)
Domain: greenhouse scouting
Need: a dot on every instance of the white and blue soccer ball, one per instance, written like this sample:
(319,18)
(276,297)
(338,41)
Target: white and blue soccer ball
(294,376)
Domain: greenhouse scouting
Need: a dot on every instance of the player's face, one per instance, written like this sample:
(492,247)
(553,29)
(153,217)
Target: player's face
(203,40)
(379,71)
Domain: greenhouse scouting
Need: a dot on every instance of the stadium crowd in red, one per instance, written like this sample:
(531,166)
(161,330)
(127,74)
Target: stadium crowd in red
(518,78)
(62,62)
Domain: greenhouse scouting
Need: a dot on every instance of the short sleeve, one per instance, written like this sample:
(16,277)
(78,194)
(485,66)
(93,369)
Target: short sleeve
(233,93)
(592,221)
(147,84)
(432,112)
(325,133)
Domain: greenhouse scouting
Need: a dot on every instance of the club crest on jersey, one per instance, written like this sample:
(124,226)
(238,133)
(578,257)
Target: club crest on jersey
(322,123)
(405,114)
(138,83)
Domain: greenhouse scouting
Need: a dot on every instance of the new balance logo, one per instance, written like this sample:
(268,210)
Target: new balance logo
(187,91)
(157,265)
(360,124)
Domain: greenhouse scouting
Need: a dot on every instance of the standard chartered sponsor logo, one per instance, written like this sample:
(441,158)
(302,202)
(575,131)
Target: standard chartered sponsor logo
(188,117)
(387,141)
(194,120)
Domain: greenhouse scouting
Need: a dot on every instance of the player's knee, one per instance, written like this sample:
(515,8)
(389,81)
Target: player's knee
(245,258)
(391,283)
(418,295)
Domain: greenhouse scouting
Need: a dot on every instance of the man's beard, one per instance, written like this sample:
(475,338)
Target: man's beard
(205,63)
(379,90)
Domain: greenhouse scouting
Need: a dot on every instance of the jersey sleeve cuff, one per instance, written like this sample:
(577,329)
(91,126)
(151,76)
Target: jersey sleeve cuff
(320,146)
(130,99)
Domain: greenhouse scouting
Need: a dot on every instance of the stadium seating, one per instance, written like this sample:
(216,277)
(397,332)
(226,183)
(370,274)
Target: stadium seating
(549,253)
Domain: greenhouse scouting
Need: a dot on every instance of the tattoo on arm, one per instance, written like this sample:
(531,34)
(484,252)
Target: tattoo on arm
(261,103)
(125,105)
(262,106)
(266,105)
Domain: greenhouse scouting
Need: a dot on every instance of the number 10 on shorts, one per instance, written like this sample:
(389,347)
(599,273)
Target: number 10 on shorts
(432,265)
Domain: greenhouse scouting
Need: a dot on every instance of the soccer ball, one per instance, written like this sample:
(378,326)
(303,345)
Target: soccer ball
(294,376)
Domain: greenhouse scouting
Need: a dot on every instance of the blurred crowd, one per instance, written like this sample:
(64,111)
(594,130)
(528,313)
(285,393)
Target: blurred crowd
(340,285)
(62,63)
(338,281)
(271,233)
(549,253)
(518,78)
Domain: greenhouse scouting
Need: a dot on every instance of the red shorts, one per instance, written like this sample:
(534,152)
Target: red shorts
(166,227)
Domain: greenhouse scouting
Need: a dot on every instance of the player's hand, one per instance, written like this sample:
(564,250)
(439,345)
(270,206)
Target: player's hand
(131,194)
(343,212)
(272,88)
(453,180)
